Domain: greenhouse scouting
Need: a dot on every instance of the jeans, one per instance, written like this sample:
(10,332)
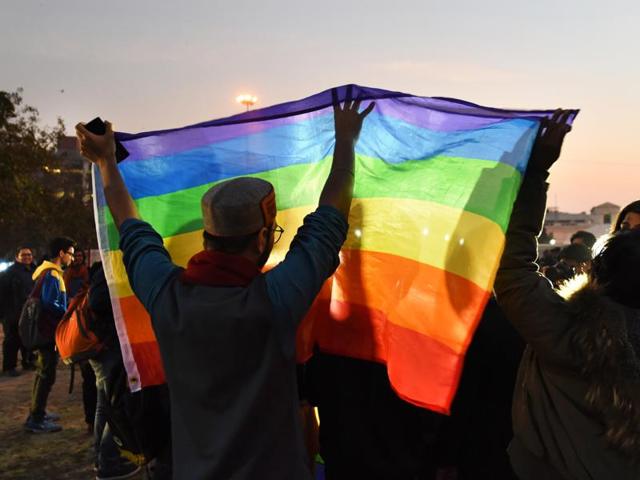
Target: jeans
(106,366)
(89,393)
(46,363)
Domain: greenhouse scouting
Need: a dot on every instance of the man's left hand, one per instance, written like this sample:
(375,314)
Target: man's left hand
(97,148)
(548,145)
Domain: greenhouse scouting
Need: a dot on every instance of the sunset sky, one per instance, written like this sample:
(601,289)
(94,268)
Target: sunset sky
(149,65)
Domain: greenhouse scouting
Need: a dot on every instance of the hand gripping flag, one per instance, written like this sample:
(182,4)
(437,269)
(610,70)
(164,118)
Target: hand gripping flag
(436,180)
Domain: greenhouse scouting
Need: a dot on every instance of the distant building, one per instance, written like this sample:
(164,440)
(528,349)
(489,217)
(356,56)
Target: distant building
(607,212)
(561,225)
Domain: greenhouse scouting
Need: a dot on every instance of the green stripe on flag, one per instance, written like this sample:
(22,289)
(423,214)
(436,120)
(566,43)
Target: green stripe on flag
(483,187)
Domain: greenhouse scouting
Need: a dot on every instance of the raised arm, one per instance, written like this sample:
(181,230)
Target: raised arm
(314,252)
(526,297)
(101,150)
(145,258)
(338,189)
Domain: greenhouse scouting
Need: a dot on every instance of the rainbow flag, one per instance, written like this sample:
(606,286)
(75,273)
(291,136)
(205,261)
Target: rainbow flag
(435,184)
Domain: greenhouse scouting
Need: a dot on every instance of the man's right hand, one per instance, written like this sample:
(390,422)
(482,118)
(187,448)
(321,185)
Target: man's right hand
(338,189)
(347,120)
(101,150)
(97,148)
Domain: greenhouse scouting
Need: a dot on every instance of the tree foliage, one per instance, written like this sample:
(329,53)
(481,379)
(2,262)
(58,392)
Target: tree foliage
(40,198)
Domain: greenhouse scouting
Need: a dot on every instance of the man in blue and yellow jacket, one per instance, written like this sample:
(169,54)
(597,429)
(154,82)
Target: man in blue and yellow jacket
(53,297)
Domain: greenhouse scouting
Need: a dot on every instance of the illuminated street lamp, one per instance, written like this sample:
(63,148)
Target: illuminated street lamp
(247,100)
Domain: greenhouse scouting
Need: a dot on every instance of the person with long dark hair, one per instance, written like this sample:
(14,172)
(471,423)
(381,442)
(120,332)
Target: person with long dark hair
(628,218)
(576,409)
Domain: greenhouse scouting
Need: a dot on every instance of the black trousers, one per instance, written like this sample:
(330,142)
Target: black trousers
(46,363)
(11,345)
(89,392)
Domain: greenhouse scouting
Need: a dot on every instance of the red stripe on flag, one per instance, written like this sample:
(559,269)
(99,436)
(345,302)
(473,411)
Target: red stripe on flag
(421,370)
(149,363)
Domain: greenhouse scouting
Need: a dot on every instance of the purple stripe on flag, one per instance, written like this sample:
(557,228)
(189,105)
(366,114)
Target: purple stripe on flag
(160,144)
(437,114)
(315,102)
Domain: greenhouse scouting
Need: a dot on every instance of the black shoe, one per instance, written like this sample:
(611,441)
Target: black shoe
(42,426)
(127,470)
(11,373)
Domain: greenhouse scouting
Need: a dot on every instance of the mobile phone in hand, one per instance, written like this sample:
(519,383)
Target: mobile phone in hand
(98,127)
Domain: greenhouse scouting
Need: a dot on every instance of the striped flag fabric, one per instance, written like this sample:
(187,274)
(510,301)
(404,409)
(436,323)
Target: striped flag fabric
(436,180)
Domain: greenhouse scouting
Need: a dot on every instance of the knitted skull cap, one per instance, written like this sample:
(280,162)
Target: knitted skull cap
(238,207)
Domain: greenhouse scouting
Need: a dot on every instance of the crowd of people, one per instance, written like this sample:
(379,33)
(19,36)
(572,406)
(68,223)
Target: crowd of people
(550,387)
(125,437)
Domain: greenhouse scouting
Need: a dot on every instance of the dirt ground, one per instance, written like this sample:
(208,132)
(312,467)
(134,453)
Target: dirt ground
(63,455)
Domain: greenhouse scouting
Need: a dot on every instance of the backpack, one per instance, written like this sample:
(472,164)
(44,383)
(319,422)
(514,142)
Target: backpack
(75,336)
(30,325)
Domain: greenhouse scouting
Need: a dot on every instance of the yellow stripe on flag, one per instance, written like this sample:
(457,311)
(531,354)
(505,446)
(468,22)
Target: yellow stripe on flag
(447,238)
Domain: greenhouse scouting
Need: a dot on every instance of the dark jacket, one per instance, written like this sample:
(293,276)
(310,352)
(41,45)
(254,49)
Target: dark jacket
(366,430)
(226,333)
(15,285)
(566,424)
(76,277)
(100,303)
(239,420)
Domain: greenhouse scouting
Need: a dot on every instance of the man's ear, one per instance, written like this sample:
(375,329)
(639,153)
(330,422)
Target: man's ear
(263,238)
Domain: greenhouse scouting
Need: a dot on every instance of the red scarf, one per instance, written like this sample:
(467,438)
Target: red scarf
(218,269)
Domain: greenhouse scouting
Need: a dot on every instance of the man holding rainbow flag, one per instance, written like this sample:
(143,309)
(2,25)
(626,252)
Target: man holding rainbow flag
(226,331)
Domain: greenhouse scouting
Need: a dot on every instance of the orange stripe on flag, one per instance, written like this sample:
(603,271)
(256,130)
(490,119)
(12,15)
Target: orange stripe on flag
(412,295)
(143,343)
(137,320)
